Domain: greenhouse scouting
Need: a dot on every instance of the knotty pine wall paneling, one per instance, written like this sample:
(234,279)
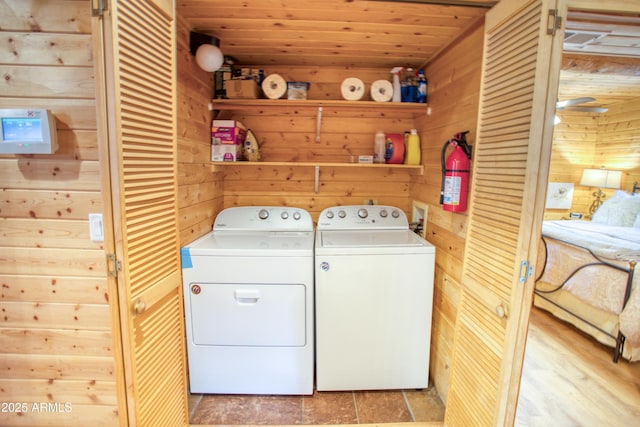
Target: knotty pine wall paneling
(574,148)
(56,338)
(289,135)
(453,96)
(618,145)
(200,189)
(587,140)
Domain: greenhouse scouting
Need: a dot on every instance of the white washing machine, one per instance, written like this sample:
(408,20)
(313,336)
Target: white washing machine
(248,298)
(374,298)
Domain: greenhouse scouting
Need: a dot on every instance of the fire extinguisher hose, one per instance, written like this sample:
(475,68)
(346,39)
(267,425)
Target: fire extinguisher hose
(444,170)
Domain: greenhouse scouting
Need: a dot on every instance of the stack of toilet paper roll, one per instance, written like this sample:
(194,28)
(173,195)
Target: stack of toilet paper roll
(381,90)
(352,89)
(274,86)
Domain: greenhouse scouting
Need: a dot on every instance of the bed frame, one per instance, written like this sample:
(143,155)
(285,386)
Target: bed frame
(596,261)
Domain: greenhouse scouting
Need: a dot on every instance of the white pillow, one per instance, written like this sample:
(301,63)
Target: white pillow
(620,194)
(619,211)
(636,223)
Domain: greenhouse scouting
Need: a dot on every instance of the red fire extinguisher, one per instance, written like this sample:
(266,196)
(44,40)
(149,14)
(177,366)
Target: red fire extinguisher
(455,174)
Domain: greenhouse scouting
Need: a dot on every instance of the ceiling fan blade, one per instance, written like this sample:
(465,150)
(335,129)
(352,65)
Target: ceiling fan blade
(575,101)
(588,109)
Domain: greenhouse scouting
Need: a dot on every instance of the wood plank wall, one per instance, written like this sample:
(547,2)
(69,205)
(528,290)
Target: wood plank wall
(200,195)
(56,341)
(290,136)
(618,145)
(585,140)
(454,80)
(454,86)
(574,148)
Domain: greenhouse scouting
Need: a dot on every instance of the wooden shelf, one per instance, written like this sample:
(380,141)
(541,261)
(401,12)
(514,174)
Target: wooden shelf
(310,104)
(412,168)
(311,107)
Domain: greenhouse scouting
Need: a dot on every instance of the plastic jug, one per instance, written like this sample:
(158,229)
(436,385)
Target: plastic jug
(379,147)
(413,148)
(395,148)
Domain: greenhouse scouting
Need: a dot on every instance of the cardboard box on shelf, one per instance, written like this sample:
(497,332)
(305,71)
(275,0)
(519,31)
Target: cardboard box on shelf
(242,89)
(225,152)
(228,132)
(297,90)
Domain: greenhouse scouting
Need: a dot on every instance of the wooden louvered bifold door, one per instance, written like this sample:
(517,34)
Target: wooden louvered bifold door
(140,68)
(510,169)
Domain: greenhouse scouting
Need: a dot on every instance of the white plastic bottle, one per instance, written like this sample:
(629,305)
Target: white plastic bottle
(379,147)
(397,96)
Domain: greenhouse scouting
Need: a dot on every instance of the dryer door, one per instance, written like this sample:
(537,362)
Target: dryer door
(261,315)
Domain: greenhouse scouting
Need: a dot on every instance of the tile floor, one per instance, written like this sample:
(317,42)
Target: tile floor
(321,408)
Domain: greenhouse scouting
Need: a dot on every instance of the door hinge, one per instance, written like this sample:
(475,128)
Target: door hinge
(98,7)
(526,271)
(554,22)
(113,265)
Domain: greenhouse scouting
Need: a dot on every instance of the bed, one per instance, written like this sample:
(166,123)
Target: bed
(586,276)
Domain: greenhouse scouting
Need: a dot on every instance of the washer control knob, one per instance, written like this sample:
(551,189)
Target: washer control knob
(395,213)
(284,215)
(296,215)
(384,213)
(362,213)
(263,214)
(342,213)
(329,214)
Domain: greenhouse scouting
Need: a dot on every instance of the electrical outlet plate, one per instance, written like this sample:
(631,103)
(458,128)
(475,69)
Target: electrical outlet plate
(96,229)
(419,212)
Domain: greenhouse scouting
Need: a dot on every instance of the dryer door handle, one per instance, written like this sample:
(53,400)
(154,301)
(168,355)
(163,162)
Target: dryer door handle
(245,296)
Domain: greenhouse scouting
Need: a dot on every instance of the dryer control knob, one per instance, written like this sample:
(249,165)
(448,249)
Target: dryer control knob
(263,214)
(330,214)
(342,213)
(395,213)
(362,213)
(384,213)
(296,215)
(284,215)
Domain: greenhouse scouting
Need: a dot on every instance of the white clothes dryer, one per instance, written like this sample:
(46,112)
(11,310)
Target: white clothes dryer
(248,298)
(374,297)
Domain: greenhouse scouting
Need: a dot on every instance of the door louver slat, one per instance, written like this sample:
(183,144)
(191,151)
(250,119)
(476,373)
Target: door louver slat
(145,99)
(492,245)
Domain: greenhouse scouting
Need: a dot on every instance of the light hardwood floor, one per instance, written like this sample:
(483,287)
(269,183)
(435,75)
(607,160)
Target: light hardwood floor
(569,379)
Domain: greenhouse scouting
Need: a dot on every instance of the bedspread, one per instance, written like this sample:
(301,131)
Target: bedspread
(617,245)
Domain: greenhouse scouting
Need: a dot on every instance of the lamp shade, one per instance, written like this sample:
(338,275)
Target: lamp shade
(601,178)
(209,57)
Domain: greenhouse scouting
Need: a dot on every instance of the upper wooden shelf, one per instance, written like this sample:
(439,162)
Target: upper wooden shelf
(417,168)
(313,104)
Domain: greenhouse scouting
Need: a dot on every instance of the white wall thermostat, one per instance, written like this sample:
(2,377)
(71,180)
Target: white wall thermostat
(27,131)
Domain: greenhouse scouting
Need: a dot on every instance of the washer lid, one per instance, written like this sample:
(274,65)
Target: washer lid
(238,243)
(370,239)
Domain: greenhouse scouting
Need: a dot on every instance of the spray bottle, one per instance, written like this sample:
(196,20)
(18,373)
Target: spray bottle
(397,97)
